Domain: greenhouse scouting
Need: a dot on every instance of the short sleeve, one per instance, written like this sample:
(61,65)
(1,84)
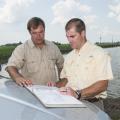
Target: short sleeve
(103,69)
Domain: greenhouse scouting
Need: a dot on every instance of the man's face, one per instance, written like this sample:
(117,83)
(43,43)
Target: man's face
(37,35)
(75,38)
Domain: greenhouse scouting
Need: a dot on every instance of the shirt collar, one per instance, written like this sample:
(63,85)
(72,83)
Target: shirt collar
(85,47)
(32,45)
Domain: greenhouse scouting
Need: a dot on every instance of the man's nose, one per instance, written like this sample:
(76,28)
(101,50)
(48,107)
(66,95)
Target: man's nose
(38,35)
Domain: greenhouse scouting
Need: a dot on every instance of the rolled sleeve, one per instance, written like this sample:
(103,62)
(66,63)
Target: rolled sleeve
(17,57)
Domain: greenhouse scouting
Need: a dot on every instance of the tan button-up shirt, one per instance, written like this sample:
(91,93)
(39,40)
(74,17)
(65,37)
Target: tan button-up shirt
(37,64)
(84,68)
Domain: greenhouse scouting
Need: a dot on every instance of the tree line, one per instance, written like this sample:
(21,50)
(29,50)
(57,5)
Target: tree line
(6,50)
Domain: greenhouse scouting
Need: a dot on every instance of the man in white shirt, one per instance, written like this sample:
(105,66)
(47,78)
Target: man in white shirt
(87,68)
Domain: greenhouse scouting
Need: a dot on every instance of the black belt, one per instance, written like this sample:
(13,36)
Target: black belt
(92,100)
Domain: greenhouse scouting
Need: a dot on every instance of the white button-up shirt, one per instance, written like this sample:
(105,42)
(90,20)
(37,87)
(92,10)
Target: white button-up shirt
(86,67)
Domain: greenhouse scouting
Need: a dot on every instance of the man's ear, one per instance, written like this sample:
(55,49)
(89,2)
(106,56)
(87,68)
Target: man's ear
(83,33)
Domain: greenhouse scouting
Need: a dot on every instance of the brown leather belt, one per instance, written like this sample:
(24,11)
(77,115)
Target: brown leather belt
(92,100)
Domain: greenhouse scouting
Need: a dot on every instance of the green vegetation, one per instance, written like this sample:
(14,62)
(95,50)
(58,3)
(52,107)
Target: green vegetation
(6,50)
(64,48)
(108,44)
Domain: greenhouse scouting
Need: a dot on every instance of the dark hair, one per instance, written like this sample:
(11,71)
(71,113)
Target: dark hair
(34,23)
(75,22)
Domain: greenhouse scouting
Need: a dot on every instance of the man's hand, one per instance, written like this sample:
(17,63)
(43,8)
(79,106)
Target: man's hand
(17,77)
(51,84)
(61,83)
(67,91)
(22,81)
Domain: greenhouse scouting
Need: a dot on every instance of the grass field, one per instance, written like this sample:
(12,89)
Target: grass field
(5,53)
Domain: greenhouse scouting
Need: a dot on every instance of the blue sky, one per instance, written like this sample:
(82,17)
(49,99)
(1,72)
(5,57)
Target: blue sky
(102,18)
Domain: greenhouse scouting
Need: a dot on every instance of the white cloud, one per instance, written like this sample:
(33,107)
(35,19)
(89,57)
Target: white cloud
(84,8)
(12,10)
(89,19)
(106,31)
(117,1)
(115,11)
(93,27)
(63,10)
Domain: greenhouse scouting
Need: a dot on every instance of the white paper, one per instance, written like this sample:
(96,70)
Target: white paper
(51,97)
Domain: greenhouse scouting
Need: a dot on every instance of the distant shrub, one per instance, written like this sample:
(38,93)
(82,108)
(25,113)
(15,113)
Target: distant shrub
(5,53)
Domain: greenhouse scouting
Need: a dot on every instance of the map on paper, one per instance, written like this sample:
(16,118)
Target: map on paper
(51,97)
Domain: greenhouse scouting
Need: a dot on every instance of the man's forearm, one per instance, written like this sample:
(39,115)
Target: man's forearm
(17,77)
(59,71)
(94,89)
(13,72)
(61,82)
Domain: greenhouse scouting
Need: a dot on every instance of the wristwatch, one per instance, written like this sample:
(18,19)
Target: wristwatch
(78,92)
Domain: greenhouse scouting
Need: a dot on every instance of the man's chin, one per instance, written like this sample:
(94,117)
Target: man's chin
(73,46)
(40,42)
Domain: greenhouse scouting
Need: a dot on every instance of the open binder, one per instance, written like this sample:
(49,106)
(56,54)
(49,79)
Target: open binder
(51,97)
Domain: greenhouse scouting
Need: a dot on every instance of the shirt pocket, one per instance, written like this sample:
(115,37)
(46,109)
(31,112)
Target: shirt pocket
(89,64)
(32,66)
(89,59)
(51,62)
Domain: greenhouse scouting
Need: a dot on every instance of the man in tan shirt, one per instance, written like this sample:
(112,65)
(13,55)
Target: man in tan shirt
(87,69)
(34,61)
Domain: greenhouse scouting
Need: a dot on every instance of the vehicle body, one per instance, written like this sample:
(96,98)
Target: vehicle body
(17,103)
